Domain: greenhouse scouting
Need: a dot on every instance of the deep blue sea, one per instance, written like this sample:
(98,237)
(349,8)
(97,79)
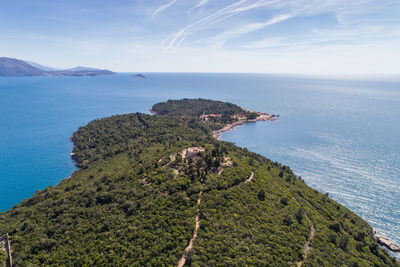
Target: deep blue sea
(341,136)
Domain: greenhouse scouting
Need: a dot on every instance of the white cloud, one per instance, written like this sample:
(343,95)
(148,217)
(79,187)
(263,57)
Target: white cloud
(219,40)
(176,39)
(338,37)
(163,7)
(200,4)
(347,13)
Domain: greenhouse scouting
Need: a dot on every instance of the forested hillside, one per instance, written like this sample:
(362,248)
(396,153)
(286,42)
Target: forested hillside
(158,190)
(196,107)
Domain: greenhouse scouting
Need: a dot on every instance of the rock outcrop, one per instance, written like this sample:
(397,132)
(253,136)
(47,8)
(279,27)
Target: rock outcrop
(386,242)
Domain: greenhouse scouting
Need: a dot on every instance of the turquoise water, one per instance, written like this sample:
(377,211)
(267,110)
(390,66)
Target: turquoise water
(341,136)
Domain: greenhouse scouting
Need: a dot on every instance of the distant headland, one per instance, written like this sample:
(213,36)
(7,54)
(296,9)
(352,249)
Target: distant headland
(15,67)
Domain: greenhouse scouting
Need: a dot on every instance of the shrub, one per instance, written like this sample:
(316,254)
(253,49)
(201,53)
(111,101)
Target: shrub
(261,195)
(332,239)
(3,257)
(343,242)
(335,227)
(284,201)
(287,220)
(299,215)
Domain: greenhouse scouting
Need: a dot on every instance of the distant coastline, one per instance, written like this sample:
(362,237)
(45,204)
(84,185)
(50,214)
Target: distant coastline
(11,67)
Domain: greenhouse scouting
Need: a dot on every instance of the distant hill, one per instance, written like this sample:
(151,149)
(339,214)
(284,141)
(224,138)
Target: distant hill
(80,73)
(45,68)
(80,68)
(16,67)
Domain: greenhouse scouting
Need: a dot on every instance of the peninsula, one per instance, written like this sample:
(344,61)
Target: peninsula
(161,190)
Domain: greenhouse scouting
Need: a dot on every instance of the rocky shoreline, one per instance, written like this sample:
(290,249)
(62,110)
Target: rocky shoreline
(261,117)
(385,242)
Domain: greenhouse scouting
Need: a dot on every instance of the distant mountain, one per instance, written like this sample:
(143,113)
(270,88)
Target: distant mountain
(80,68)
(45,68)
(16,67)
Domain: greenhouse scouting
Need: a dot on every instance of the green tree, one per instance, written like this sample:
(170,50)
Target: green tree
(299,215)
(261,195)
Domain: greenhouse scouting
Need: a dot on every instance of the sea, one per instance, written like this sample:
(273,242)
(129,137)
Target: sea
(340,134)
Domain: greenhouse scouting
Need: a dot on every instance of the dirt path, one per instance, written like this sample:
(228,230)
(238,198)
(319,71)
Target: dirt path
(307,246)
(182,261)
(310,238)
(250,177)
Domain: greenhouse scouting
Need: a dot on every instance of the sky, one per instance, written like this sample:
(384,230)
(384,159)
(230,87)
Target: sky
(332,37)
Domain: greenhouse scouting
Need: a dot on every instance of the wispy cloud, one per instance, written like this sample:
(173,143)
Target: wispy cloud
(163,7)
(219,40)
(247,35)
(200,4)
(319,38)
(345,12)
(176,39)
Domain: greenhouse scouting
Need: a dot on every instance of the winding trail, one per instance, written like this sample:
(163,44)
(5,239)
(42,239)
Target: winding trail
(250,178)
(182,261)
(307,246)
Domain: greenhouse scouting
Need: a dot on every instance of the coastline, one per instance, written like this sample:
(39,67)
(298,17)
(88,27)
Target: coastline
(229,127)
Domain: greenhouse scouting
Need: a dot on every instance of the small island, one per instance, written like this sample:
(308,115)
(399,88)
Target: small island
(140,76)
(161,190)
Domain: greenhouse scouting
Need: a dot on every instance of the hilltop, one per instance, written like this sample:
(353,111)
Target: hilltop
(159,190)
(16,67)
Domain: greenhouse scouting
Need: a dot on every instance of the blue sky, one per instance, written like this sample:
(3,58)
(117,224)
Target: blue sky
(268,36)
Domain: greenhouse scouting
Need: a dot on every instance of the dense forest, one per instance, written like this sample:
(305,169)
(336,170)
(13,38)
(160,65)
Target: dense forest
(144,184)
(196,107)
